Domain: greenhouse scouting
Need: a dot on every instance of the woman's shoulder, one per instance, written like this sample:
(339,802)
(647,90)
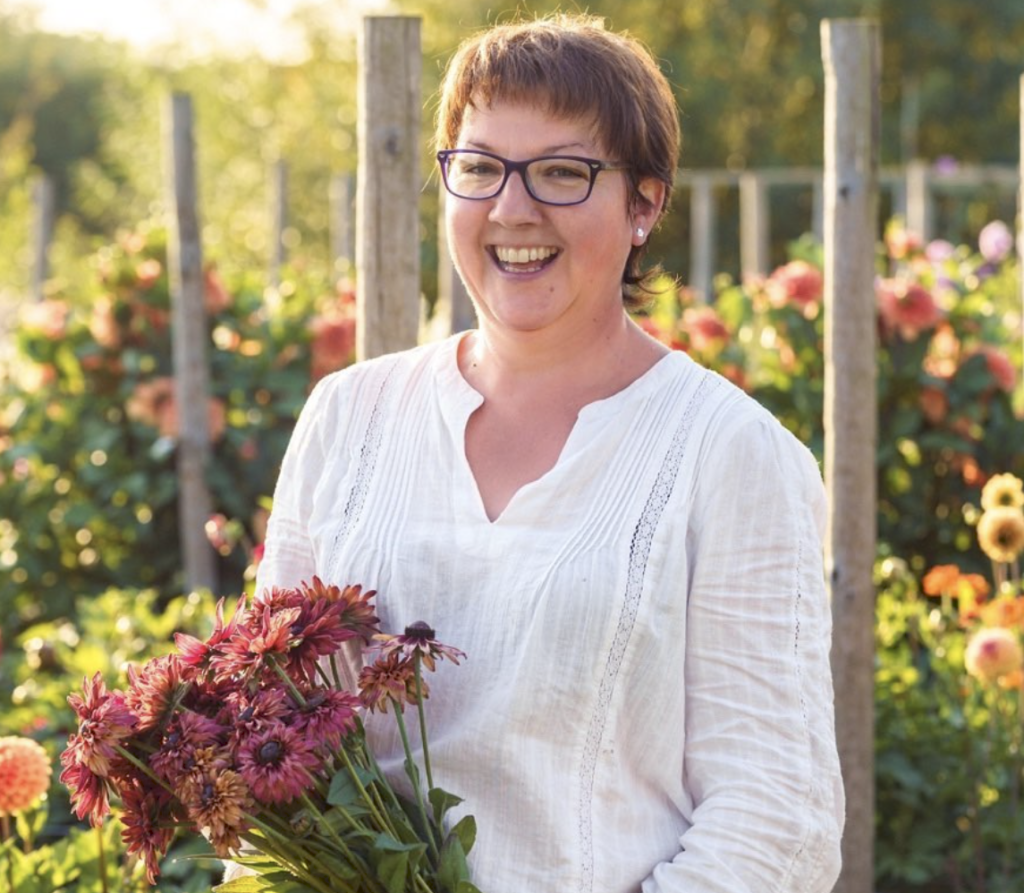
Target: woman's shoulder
(733,428)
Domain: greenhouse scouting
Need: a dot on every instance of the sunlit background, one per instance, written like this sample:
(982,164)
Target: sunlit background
(198,28)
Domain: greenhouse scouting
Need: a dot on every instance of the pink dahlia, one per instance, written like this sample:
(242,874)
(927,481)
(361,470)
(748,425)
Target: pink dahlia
(265,633)
(186,733)
(327,716)
(993,653)
(88,790)
(906,308)
(797,282)
(24,774)
(995,241)
(390,678)
(277,763)
(357,613)
(155,690)
(147,825)
(104,720)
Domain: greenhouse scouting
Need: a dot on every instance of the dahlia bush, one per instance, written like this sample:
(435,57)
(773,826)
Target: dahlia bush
(250,739)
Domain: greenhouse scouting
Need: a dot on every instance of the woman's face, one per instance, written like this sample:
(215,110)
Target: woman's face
(572,257)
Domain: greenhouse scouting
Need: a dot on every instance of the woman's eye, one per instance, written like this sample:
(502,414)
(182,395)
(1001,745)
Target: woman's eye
(560,172)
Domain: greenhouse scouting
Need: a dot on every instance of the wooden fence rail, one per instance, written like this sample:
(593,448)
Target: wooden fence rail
(913,192)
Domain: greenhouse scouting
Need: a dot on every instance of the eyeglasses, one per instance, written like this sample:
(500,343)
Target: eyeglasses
(551,179)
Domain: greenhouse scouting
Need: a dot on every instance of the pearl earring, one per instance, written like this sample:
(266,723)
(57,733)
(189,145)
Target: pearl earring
(640,231)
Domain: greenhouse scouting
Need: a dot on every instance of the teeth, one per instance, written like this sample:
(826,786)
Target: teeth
(522,255)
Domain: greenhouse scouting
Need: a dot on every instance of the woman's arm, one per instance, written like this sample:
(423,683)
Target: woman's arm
(760,758)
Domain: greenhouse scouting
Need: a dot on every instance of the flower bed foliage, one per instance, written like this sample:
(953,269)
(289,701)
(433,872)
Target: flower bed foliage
(90,576)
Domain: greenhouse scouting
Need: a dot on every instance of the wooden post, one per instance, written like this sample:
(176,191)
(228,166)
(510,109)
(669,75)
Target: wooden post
(818,210)
(43,201)
(454,311)
(278,220)
(1020,239)
(702,237)
(387,238)
(188,342)
(753,225)
(342,202)
(919,199)
(851,56)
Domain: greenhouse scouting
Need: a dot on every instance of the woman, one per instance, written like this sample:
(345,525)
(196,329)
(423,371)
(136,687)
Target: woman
(627,547)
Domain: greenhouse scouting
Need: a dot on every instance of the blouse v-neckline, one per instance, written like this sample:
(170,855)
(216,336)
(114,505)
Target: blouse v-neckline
(459,400)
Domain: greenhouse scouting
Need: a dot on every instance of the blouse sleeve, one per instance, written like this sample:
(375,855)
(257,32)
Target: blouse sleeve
(760,759)
(288,556)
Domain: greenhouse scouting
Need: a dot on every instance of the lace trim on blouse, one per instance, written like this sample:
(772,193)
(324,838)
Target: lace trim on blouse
(639,552)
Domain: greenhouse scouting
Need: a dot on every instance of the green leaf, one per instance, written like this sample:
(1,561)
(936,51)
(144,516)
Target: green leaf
(442,801)
(452,867)
(465,831)
(243,885)
(344,791)
(388,844)
(392,870)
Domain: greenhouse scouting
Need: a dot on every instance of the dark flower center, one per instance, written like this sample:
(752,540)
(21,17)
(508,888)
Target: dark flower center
(247,714)
(419,631)
(270,752)
(207,796)
(315,700)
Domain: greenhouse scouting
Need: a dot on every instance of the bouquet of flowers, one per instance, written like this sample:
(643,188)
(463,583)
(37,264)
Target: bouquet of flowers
(250,739)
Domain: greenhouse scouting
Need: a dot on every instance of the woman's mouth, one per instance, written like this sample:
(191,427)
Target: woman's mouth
(523,259)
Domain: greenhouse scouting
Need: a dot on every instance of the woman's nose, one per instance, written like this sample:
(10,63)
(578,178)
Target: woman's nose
(514,204)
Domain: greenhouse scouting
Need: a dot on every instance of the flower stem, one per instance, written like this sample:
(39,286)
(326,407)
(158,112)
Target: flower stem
(412,777)
(101,858)
(142,767)
(288,681)
(5,833)
(353,859)
(423,722)
(284,858)
(371,801)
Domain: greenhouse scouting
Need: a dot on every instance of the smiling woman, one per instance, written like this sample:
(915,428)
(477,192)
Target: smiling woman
(627,546)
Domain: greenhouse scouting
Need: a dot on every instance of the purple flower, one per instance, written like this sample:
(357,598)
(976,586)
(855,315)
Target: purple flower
(995,241)
(277,763)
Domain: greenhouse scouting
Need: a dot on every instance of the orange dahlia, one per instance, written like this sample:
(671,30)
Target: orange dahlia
(24,774)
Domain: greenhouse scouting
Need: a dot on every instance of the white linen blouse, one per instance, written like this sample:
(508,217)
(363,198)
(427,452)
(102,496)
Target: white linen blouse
(647,700)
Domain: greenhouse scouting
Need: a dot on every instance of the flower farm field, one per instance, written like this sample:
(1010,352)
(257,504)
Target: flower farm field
(90,576)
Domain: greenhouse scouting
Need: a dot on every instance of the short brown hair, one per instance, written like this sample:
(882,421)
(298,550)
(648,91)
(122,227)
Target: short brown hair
(580,70)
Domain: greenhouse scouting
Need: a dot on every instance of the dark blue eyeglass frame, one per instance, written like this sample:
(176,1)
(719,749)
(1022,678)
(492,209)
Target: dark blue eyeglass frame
(511,167)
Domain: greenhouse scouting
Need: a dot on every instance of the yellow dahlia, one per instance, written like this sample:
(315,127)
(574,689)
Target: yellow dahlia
(1002,490)
(992,654)
(24,774)
(1001,533)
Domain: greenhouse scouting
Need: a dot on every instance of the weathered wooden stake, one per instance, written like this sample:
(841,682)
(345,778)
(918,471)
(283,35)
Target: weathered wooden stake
(342,202)
(278,220)
(188,337)
(1020,239)
(702,237)
(919,199)
(387,234)
(43,202)
(851,55)
(753,224)
(454,311)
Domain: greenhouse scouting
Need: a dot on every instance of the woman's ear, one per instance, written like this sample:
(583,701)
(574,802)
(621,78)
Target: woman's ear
(648,210)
